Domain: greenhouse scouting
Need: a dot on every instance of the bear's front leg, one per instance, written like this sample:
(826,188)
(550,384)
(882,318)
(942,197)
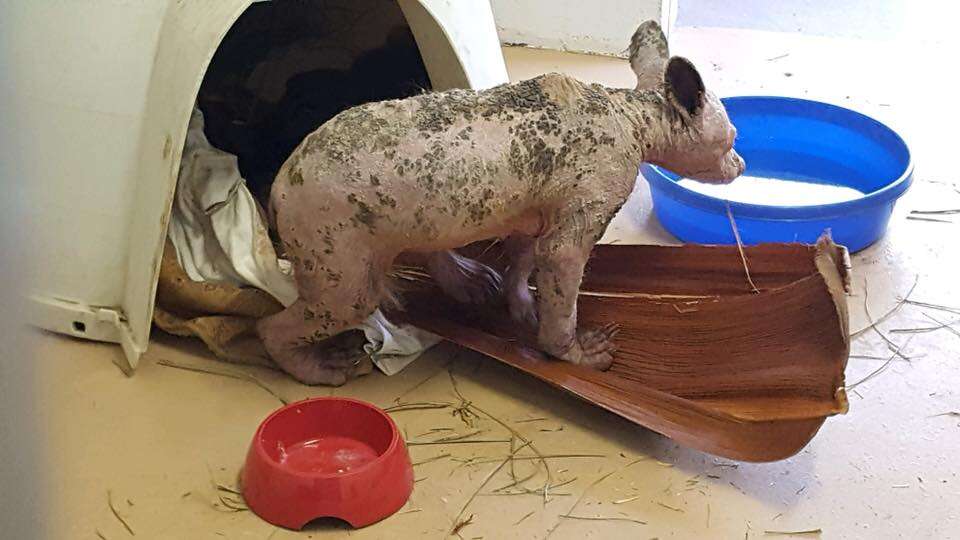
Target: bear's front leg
(560,261)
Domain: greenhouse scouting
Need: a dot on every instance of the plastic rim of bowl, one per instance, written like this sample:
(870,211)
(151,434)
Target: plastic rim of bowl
(889,192)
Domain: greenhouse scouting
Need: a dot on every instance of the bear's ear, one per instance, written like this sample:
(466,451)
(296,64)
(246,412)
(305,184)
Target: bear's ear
(648,55)
(684,85)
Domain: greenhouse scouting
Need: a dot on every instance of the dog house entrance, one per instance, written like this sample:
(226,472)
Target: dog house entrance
(284,69)
(288,66)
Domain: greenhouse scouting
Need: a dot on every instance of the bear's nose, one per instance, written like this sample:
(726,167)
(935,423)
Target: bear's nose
(741,165)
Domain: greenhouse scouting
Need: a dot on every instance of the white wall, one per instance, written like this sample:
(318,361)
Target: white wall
(595,26)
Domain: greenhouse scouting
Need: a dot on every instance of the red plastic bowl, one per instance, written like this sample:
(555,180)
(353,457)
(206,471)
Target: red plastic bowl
(327,457)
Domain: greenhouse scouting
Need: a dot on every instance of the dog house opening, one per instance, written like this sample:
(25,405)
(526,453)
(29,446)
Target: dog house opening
(283,69)
(287,66)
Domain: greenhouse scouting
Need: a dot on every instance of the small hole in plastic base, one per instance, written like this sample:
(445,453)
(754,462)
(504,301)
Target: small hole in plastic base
(79,326)
(327,523)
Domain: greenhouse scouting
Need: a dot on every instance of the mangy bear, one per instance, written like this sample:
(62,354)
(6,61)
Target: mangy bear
(543,163)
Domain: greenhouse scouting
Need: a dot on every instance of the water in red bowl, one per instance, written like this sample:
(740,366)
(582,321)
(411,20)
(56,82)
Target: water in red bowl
(327,455)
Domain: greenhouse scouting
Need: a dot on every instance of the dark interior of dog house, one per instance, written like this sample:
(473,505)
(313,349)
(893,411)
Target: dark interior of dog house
(288,66)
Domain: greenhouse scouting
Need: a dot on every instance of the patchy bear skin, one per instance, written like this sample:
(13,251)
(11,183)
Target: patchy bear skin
(545,163)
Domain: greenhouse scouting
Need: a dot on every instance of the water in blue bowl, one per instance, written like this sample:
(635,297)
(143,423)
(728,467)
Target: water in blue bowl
(811,168)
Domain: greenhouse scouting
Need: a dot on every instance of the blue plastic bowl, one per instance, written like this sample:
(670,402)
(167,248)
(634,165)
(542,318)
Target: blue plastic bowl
(795,139)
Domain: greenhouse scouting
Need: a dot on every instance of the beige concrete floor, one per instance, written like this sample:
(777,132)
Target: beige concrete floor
(888,469)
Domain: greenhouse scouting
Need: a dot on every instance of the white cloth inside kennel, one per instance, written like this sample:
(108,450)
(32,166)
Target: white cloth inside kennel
(219,235)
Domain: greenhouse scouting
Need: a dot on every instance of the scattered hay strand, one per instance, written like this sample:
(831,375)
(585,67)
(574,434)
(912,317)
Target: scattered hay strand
(684,311)
(513,463)
(410,511)
(493,242)
(221,487)
(867,357)
(949,327)
(873,323)
(466,461)
(514,433)
(794,533)
(938,307)
(117,515)
(440,370)
(925,329)
(461,525)
(882,367)
(947,212)
(433,430)
(460,436)
(537,458)
(467,441)
(525,516)
(628,499)
(630,520)
(641,295)
(928,219)
(429,460)
(537,492)
(526,491)
(417,406)
(409,273)
(583,494)
(233,375)
(565,482)
(743,256)
(99,534)
(948,413)
(668,507)
(524,421)
(456,521)
(233,500)
(418,385)
(231,504)
(516,481)
(463,412)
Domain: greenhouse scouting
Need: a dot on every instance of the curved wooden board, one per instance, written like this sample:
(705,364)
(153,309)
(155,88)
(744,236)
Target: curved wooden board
(701,358)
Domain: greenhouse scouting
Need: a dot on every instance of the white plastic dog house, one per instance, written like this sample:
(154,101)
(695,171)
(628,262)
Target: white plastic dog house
(104,92)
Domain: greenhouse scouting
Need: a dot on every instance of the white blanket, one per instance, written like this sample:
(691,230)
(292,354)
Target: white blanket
(219,236)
